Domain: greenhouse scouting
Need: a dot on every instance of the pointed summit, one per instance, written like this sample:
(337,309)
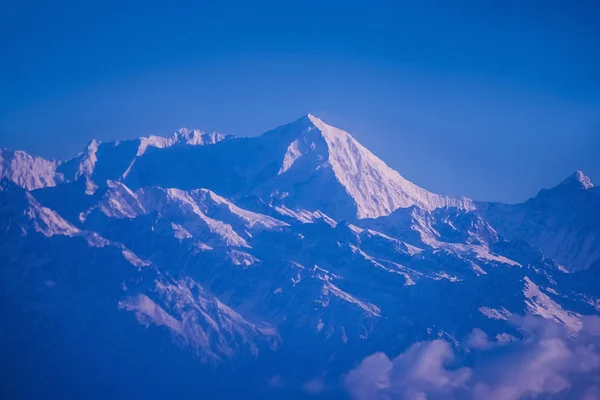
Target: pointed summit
(27,171)
(306,164)
(578,179)
(374,187)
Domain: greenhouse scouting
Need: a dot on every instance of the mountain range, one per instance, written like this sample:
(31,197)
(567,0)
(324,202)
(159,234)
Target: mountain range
(267,267)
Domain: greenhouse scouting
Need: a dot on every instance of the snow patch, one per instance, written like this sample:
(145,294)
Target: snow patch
(133,259)
(541,304)
(492,313)
(330,289)
(305,216)
(291,155)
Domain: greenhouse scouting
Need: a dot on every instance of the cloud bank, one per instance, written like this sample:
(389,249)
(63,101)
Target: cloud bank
(547,362)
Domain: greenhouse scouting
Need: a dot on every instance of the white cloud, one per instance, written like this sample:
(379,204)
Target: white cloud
(478,340)
(548,361)
(314,386)
(370,378)
(419,371)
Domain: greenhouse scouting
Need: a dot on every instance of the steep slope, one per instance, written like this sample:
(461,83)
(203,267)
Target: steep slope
(27,171)
(376,188)
(81,313)
(306,164)
(288,256)
(306,261)
(280,270)
(199,213)
(563,222)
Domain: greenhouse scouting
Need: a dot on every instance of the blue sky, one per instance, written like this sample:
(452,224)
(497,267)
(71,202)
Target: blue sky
(493,101)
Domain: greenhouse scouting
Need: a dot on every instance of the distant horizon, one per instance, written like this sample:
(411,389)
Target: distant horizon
(166,135)
(492,101)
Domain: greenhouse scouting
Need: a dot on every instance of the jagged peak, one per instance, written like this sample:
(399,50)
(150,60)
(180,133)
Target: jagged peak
(23,155)
(29,172)
(187,135)
(30,214)
(181,136)
(187,131)
(93,145)
(580,179)
(376,188)
(197,136)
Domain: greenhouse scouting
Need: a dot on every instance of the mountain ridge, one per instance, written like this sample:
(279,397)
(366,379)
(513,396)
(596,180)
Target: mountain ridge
(305,166)
(563,221)
(196,137)
(358,182)
(290,256)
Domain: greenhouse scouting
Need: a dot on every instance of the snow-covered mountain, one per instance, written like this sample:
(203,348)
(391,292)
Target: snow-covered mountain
(274,263)
(28,171)
(305,164)
(563,222)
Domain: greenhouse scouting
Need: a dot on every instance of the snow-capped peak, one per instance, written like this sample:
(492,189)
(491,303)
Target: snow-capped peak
(28,171)
(28,213)
(376,188)
(196,136)
(181,136)
(580,179)
(89,159)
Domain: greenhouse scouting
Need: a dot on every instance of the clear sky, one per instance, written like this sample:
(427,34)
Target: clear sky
(488,99)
